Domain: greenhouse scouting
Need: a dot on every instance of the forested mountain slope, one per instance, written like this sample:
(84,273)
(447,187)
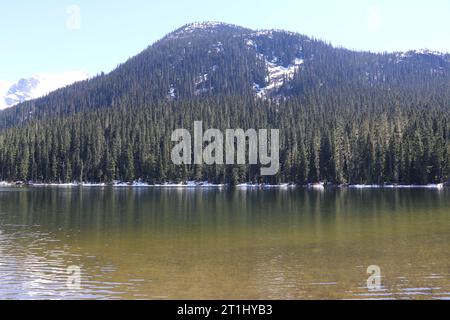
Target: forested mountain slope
(344,116)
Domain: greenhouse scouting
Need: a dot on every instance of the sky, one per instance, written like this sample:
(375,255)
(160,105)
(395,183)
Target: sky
(96,35)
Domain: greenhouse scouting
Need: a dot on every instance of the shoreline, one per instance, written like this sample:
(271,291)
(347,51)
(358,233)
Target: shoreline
(208,185)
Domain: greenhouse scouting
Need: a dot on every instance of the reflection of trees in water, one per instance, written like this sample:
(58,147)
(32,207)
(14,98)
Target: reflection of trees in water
(225,244)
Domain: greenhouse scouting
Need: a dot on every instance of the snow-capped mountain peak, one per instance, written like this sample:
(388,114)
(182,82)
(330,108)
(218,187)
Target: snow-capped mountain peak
(36,86)
(4,88)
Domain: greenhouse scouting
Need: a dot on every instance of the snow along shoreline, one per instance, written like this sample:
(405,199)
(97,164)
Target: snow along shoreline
(208,185)
(188,184)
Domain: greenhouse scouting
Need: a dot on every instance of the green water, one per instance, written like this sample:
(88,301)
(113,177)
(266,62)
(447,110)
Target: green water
(222,244)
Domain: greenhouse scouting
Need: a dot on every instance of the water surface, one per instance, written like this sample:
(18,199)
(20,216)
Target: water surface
(222,244)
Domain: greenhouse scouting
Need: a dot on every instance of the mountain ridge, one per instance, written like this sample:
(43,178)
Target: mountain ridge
(266,81)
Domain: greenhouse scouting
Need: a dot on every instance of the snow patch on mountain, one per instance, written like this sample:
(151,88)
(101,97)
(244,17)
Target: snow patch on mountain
(402,56)
(277,75)
(190,28)
(427,52)
(202,82)
(271,32)
(201,85)
(37,86)
(208,26)
(201,79)
(172,92)
(250,43)
(216,48)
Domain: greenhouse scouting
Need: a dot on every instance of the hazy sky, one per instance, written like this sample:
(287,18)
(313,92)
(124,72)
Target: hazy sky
(47,36)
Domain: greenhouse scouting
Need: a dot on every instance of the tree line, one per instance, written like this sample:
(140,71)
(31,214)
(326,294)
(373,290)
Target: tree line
(407,144)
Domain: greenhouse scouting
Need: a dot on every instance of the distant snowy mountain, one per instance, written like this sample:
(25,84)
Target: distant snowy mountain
(4,88)
(36,86)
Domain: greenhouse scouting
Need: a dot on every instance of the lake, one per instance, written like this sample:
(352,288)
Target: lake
(150,243)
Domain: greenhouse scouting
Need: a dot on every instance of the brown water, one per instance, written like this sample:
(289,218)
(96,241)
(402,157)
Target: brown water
(212,244)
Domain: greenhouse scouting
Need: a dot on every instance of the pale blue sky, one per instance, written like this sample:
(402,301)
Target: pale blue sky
(35,37)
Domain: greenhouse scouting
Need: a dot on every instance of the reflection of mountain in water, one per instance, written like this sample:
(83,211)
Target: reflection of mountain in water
(223,244)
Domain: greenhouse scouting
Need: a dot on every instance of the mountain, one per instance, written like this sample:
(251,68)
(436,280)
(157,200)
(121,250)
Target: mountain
(210,58)
(344,116)
(36,86)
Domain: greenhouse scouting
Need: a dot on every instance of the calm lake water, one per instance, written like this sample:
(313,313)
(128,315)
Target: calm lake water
(224,244)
